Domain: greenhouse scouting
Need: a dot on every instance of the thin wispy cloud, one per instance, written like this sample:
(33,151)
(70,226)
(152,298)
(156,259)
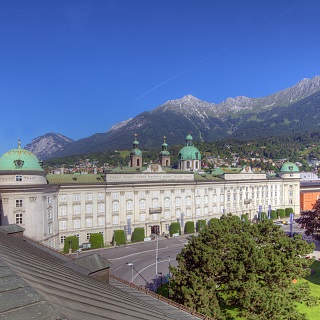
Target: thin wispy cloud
(186,70)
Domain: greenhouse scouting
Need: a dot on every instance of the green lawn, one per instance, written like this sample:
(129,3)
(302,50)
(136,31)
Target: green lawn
(313,313)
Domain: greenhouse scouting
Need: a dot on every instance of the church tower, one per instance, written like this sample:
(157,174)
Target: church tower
(135,154)
(189,158)
(164,155)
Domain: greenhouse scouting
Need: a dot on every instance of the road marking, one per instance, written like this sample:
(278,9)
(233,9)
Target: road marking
(118,268)
(133,254)
(152,264)
(136,259)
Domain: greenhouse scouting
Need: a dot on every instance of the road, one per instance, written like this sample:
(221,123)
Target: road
(137,262)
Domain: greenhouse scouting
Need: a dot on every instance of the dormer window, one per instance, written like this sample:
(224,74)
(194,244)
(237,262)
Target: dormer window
(19,163)
(18,178)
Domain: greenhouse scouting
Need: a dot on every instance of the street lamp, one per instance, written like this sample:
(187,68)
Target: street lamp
(131,265)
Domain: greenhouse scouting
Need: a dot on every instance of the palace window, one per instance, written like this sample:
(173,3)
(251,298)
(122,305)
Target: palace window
(18,218)
(76,209)
(89,223)
(63,211)
(142,204)
(63,225)
(129,205)
(115,206)
(115,220)
(18,178)
(100,197)
(19,203)
(89,208)
(101,207)
(101,221)
(62,239)
(76,197)
(77,224)
(89,196)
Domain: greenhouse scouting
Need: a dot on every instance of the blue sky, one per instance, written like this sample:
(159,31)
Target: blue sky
(77,67)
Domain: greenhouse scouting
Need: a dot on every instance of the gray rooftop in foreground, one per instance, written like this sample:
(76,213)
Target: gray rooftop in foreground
(35,284)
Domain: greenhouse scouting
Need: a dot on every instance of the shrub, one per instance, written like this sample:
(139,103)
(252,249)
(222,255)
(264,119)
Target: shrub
(201,224)
(96,240)
(175,228)
(137,235)
(189,227)
(119,237)
(71,242)
(281,213)
(288,211)
(273,214)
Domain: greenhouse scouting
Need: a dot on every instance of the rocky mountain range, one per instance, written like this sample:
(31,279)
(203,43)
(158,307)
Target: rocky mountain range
(295,109)
(43,147)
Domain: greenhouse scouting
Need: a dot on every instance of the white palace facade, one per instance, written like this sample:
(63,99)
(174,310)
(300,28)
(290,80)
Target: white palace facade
(53,206)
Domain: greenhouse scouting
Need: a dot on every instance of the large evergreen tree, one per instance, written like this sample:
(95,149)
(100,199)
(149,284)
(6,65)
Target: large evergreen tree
(249,266)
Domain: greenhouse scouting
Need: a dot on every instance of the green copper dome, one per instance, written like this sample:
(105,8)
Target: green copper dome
(135,151)
(189,152)
(19,160)
(289,167)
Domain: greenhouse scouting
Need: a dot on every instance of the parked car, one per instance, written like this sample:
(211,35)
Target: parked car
(278,223)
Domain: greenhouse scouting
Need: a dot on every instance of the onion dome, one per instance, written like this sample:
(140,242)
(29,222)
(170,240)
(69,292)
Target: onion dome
(135,151)
(164,151)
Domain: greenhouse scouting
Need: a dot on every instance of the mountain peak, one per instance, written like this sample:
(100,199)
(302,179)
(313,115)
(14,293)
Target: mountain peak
(44,146)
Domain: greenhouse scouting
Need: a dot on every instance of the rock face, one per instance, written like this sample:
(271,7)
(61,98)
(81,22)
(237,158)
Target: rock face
(295,109)
(44,146)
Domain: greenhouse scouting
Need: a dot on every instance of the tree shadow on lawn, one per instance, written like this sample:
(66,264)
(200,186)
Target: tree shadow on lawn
(314,277)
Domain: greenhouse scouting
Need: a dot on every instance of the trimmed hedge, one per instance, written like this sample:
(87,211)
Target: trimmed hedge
(175,228)
(201,224)
(288,211)
(211,221)
(137,235)
(74,244)
(96,240)
(281,213)
(119,237)
(189,227)
(263,216)
(273,214)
